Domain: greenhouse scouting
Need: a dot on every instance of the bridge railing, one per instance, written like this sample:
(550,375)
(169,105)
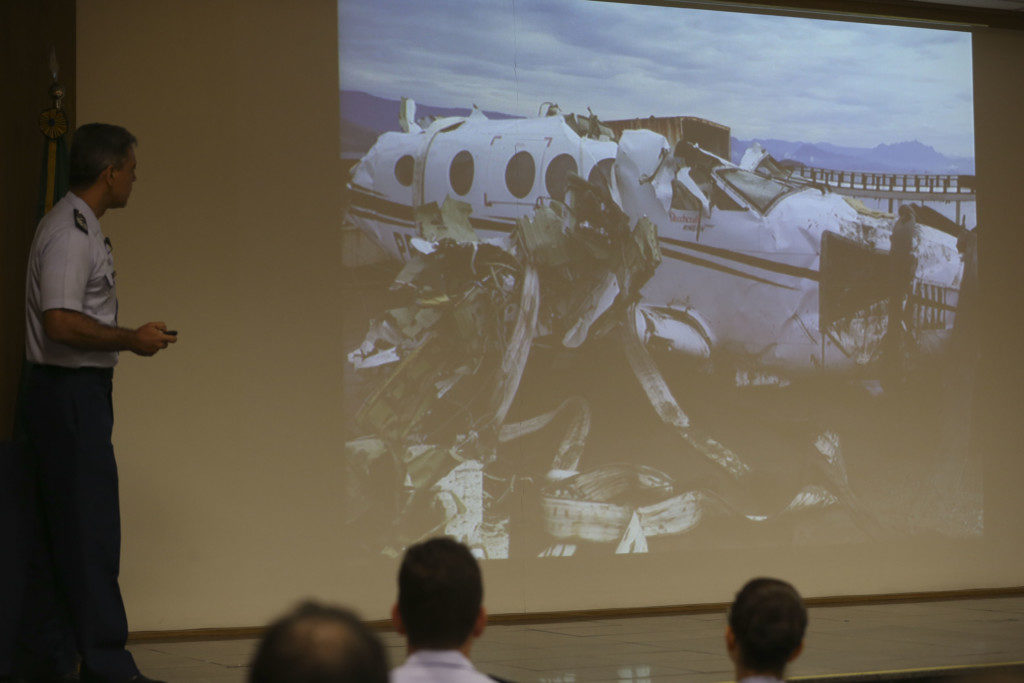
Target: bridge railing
(924,183)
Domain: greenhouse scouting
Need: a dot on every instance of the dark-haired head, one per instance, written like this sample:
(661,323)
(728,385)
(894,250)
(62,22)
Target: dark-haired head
(94,148)
(319,644)
(767,621)
(440,595)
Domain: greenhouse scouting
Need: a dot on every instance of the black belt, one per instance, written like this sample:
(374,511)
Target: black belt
(58,370)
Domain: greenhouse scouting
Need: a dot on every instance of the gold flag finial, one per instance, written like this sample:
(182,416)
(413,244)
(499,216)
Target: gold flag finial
(54,67)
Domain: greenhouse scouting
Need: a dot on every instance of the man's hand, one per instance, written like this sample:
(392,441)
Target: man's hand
(150,338)
(82,332)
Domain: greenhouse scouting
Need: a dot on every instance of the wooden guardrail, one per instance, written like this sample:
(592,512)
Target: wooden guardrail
(901,183)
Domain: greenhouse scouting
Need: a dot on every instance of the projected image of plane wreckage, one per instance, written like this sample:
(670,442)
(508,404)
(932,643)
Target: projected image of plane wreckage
(559,229)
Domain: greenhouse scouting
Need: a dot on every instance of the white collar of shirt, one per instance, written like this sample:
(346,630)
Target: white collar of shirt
(83,208)
(760,679)
(451,659)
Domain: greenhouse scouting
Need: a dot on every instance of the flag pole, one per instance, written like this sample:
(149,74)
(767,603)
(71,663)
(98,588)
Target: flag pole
(53,123)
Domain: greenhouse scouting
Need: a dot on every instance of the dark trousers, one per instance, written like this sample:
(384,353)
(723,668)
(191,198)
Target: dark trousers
(72,588)
(15,539)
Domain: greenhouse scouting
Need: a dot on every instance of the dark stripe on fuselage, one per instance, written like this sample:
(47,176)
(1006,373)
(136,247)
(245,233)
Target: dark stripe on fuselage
(396,213)
(496,226)
(704,263)
(356,187)
(747,259)
(382,206)
(381,218)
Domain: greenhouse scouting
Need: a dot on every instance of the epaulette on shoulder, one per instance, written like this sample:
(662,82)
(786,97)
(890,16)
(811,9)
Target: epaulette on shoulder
(80,222)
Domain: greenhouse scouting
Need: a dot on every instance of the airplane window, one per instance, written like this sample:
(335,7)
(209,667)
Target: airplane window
(460,174)
(721,200)
(555,177)
(519,174)
(403,170)
(761,192)
(601,173)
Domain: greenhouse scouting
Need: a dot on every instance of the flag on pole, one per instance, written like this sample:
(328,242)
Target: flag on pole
(53,123)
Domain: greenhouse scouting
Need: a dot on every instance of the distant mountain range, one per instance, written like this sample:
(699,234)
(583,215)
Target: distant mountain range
(365,116)
(901,157)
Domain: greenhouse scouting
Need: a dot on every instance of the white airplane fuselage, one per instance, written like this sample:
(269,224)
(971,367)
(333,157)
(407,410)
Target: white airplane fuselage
(742,262)
(384,188)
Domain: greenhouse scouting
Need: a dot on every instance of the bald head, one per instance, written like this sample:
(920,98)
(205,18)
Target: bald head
(319,644)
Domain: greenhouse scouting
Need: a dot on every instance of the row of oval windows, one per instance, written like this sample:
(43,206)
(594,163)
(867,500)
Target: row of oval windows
(519,173)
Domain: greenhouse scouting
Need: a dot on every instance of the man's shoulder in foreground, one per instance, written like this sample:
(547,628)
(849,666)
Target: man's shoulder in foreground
(428,666)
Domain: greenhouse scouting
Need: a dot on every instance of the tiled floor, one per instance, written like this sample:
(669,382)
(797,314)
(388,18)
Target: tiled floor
(686,648)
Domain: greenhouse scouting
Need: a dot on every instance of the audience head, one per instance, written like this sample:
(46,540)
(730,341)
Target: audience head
(767,621)
(440,596)
(319,644)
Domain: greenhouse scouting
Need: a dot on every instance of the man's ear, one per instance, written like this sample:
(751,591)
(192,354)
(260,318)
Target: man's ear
(730,644)
(796,652)
(396,619)
(481,622)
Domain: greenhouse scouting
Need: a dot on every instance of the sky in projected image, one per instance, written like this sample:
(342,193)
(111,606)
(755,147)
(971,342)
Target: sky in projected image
(844,83)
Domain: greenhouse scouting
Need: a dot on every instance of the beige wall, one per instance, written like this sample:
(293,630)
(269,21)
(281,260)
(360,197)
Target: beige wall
(230,444)
(227,443)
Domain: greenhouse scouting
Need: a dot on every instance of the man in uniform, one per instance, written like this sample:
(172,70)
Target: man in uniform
(72,344)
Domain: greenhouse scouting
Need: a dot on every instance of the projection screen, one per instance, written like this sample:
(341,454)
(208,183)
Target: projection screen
(630,361)
(675,278)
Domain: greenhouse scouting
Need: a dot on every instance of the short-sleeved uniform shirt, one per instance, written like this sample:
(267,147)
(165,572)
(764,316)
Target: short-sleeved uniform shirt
(70,266)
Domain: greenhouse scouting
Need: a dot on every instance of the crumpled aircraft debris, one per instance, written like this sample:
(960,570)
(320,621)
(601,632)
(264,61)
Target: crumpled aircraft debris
(452,356)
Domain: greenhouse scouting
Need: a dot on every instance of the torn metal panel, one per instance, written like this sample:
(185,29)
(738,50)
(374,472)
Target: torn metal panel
(639,257)
(587,126)
(517,348)
(461,494)
(567,459)
(679,514)
(543,236)
(449,221)
(423,463)
(599,300)
(863,210)
(674,328)
(811,497)
(607,505)
(642,176)
(585,520)
(407,116)
(757,160)
(660,396)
